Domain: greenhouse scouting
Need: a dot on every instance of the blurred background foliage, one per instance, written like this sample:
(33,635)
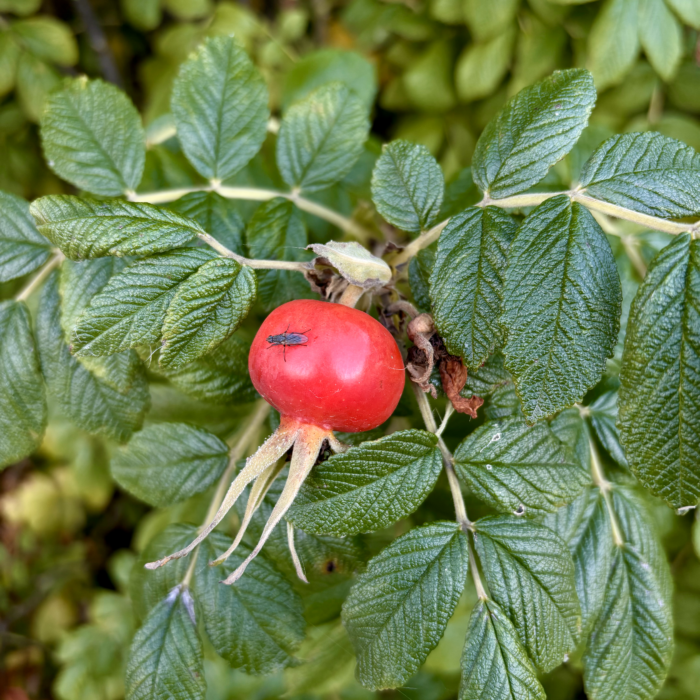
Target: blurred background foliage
(436,71)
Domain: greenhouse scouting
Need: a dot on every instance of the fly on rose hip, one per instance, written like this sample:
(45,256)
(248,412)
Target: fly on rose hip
(288,339)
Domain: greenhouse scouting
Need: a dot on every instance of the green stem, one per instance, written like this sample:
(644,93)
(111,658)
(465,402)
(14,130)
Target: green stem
(605,487)
(241,445)
(256,194)
(40,276)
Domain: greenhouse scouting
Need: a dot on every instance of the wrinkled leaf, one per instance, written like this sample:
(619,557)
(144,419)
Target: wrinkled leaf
(537,127)
(466,283)
(397,611)
(219,103)
(370,486)
(354,262)
(525,471)
(562,303)
(659,398)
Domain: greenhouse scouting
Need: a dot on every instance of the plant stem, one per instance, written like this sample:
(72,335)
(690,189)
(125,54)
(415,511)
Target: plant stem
(351,295)
(423,241)
(431,425)
(38,279)
(605,486)
(255,264)
(257,194)
(243,442)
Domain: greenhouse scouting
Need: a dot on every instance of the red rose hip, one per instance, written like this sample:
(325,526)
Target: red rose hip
(346,375)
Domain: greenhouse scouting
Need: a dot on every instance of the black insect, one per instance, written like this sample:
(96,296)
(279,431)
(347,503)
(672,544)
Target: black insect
(286,339)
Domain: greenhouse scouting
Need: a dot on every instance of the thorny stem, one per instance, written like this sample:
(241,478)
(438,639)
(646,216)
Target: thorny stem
(243,442)
(40,277)
(258,195)
(460,508)
(605,486)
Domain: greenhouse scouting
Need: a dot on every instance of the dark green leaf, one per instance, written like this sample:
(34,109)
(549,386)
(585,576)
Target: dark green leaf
(93,138)
(86,399)
(22,247)
(530,574)
(562,301)
(86,228)
(649,173)
(370,486)
(256,624)
(537,127)
(147,588)
(571,429)
(321,138)
(603,416)
(22,396)
(217,215)
(519,469)
(630,648)
(47,38)
(166,660)
(221,377)
(494,664)
(466,284)
(585,526)
(407,186)
(166,463)
(131,308)
(219,102)
(276,232)
(419,270)
(659,395)
(398,610)
(206,309)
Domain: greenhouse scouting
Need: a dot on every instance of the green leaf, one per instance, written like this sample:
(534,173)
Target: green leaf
(486,20)
(648,173)
(603,416)
(687,10)
(407,186)
(166,660)
(659,396)
(494,663)
(397,611)
(613,43)
(329,65)
(9,57)
(131,308)
(369,487)
(519,469)
(87,228)
(562,302)
(276,232)
(206,309)
(661,37)
(147,588)
(22,396)
(34,82)
(47,38)
(220,377)
(22,247)
(166,463)
(631,645)
(482,66)
(93,137)
(585,526)
(537,127)
(321,137)
(87,400)
(219,102)
(530,574)
(419,270)
(571,429)
(142,14)
(216,215)
(256,624)
(466,284)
